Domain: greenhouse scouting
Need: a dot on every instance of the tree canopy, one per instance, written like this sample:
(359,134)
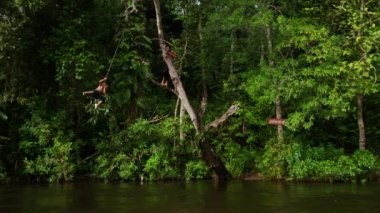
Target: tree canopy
(313,65)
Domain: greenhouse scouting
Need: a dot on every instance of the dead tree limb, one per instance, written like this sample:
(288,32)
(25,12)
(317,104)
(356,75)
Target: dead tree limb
(131,8)
(216,123)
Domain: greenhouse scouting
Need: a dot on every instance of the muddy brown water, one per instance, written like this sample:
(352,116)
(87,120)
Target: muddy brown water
(203,196)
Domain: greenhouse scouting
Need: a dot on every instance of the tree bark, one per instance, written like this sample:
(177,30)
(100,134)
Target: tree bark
(181,118)
(217,167)
(216,123)
(262,52)
(280,128)
(232,50)
(362,139)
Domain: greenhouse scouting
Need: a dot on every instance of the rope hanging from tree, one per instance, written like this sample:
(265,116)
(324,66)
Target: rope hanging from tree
(132,8)
(101,90)
(114,54)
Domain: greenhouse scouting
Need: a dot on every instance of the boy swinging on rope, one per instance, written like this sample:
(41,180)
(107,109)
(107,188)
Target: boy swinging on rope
(98,93)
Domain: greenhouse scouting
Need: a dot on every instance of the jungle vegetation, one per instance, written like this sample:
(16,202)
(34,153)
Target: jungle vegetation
(313,65)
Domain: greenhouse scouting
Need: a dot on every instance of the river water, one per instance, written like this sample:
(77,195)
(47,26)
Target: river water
(204,196)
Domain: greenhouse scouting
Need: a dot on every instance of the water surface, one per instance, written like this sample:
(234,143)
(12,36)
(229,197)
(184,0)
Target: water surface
(206,196)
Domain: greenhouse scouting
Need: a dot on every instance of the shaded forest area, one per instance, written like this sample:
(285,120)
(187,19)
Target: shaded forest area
(202,113)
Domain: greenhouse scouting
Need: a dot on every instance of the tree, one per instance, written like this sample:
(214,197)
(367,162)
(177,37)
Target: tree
(355,28)
(362,41)
(208,154)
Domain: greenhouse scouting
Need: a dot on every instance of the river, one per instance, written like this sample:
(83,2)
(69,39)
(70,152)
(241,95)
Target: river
(203,196)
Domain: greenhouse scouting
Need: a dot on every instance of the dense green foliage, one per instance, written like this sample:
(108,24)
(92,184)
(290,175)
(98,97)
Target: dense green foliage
(323,163)
(317,57)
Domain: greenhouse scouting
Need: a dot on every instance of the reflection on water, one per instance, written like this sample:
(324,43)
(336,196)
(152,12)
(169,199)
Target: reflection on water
(207,196)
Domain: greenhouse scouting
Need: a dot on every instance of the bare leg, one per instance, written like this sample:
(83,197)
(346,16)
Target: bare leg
(164,82)
(86,93)
(97,103)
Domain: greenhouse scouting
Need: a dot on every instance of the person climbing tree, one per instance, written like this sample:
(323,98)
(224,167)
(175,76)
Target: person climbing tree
(98,93)
(164,82)
(169,52)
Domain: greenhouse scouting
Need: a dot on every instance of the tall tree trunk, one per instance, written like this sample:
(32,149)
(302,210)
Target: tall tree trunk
(179,103)
(280,128)
(208,155)
(203,69)
(362,139)
(232,50)
(173,73)
(181,118)
(361,122)
(262,52)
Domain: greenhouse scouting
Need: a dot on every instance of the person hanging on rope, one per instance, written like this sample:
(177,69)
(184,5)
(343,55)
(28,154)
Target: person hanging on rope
(98,93)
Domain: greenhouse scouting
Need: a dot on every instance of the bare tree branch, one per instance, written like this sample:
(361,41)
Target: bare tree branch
(216,123)
(156,118)
(183,56)
(131,8)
